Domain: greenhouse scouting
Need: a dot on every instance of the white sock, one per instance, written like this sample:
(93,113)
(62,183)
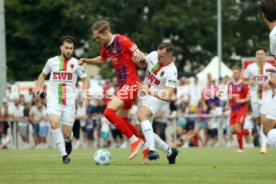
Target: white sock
(132,139)
(59,140)
(162,145)
(145,145)
(271,136)
(263,138)
(148,133)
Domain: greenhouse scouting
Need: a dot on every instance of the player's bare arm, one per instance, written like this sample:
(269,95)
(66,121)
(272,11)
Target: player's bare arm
(272,81)
(95,61)
(138,56)
(40,83)
(86,86)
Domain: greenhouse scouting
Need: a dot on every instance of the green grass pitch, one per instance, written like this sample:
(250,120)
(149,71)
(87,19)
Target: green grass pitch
(194,165)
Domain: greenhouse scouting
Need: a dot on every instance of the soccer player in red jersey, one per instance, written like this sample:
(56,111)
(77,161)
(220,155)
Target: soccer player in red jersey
(121,52)
(238,97)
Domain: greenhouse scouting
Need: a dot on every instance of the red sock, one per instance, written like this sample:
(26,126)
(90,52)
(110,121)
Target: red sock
(245,132)
(118,122)
(131,127)
(239,138)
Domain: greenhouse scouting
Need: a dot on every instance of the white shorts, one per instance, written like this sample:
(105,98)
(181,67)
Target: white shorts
(153,103)
(261,107)
(66,113)
(271,112)
(248,124)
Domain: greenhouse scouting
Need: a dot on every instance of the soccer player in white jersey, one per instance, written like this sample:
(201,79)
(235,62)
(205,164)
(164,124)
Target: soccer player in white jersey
(61,94)
(268,9)
(256,76)
(158,88)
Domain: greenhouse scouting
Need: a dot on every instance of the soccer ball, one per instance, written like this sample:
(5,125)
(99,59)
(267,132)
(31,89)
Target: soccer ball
(102,157)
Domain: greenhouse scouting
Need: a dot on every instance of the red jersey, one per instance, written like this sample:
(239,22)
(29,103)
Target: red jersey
(120,52)
(237,90)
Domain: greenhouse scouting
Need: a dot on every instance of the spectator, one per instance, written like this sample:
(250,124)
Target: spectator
(79,123)
(18,112)
(36,115)
(214,123)
(7,114)
(160,121)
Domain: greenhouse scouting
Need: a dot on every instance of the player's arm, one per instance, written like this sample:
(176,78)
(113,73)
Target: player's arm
(272,81)
(40,83)
(95,61)
(86,83)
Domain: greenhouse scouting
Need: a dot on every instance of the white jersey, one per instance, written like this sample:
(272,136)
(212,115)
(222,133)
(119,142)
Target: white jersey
(261,76)
(63,78)
(160,76)
(272,41)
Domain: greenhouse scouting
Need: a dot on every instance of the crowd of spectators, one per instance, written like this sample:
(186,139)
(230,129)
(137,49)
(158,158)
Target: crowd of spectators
(194,117)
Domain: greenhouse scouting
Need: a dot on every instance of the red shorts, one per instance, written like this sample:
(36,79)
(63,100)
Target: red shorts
(128,93)
(237,117)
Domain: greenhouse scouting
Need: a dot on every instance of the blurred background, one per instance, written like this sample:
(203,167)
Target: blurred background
(31,29)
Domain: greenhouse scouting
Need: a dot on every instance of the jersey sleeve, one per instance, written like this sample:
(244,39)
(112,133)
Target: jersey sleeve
(130,46)
(80,72)
(247,73)
(272,43)
(171,80)
(148,57)
(47,68)
(103,52)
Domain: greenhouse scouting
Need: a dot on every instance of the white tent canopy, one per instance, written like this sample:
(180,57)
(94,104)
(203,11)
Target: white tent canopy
(213,69)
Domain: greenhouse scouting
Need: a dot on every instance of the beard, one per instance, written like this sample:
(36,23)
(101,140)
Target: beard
(67,55)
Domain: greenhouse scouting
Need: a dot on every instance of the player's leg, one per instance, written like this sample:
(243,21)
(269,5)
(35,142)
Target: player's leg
(269,129)
(162,145)
(67,121)
(238,128)
(269,126)
(110,113)
(124,114)
(144,114)
(264,109)
(58,136)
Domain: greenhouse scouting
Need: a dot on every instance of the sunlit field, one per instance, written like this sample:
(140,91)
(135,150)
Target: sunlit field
(194,165)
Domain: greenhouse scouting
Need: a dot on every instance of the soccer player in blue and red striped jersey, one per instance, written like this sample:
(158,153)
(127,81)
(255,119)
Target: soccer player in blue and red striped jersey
(121,52)
(238,97)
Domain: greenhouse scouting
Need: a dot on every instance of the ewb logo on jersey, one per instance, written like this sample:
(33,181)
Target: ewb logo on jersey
(72,66)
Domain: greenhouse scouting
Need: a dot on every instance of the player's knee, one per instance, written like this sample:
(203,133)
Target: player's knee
(67,134)
(141,117)
(267,127)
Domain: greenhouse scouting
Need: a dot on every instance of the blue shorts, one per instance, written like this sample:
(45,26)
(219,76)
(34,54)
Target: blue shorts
(43,131)
(203,124)
(90,133)
(36,130)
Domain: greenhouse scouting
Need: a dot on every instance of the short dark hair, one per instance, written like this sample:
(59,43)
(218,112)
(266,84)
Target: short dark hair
(101,26)
(236,68)
(268,8)
(67,38)
(260,48)
(168,46)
